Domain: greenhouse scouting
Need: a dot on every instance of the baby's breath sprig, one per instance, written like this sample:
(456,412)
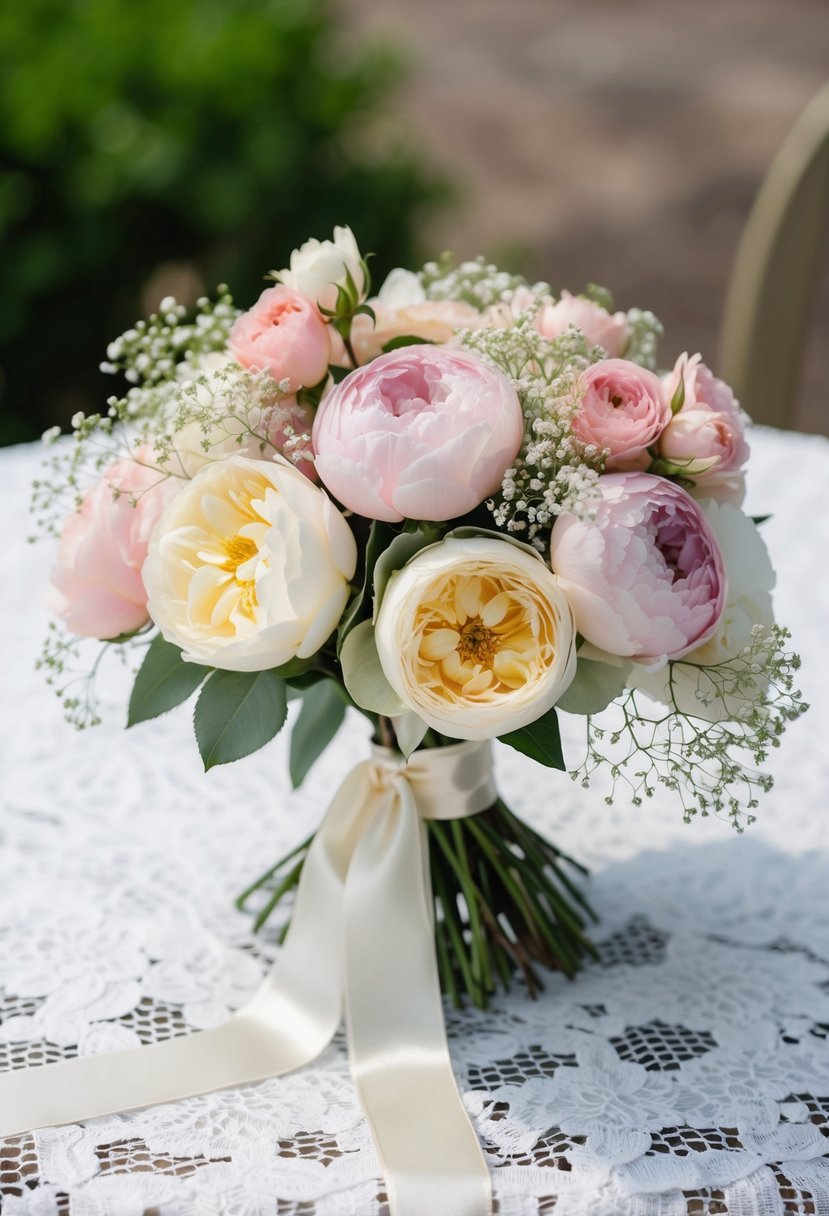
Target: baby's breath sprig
(478,282)
(645,332)
(74,685)
(553,472)
(149,352)
(696,757)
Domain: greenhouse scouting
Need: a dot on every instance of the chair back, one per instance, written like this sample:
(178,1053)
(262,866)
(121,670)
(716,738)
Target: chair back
(776,272)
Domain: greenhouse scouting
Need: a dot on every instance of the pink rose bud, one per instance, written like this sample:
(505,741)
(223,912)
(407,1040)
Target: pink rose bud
(424,432)
(706,437)
(645,577)
(283,335)
(623,409)
(599,327)
(96,585)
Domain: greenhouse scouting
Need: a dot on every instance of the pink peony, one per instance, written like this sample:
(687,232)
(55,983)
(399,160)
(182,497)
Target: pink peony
(645,577)
(706,438)
(96,585)
(424,432)
(284,335)
(596,323)
(624,409)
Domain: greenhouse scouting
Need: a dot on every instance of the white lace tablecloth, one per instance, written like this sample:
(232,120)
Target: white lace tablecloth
(686,1074)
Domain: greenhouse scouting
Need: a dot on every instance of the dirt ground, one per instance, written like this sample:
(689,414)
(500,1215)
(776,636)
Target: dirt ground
(619,141)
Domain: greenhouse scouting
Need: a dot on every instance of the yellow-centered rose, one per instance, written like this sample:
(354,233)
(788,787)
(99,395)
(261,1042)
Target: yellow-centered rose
(251,568)
(475,635)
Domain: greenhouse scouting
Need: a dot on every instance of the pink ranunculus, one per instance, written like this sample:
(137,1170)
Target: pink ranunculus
(645,576)
(424,432)
(600,328)
(284,335)
(96,585)
(623,408)
(706,437)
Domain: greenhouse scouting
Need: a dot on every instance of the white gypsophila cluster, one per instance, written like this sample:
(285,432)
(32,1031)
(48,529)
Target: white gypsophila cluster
(697,756)
(478,283)
(176,400)
(553,473)
(645,332)
(150,351)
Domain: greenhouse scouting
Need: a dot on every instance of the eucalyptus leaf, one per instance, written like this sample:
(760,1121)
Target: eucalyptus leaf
(594,686)
(237,713)
(164,680)
(380,536)
(540,740)
(401,550)
(363,675)
(321,716)
(409,731)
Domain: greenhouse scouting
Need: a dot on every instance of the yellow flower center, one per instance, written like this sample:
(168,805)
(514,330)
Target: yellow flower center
(478,636)
(238,549)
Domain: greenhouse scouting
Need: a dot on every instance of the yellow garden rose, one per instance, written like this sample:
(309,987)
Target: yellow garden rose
(250,566)
(476,637)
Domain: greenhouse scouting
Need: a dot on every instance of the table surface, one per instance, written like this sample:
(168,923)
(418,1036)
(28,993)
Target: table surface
(685,1074)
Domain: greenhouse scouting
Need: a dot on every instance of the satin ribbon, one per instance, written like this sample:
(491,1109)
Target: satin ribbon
(362,935)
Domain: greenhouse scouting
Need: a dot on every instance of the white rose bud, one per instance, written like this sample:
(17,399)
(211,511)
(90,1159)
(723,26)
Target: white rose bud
(250,566)
(319,267)
(476,637)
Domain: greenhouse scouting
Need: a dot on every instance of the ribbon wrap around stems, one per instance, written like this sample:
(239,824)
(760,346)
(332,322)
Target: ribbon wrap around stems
(362,934)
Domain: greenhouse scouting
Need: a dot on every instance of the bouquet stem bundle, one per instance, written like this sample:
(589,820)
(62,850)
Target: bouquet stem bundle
(504,904)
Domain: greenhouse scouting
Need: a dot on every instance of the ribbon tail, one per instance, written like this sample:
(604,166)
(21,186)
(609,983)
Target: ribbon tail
(428,1148)
(289,1021)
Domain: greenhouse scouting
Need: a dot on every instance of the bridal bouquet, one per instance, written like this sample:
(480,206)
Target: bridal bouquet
(461,506)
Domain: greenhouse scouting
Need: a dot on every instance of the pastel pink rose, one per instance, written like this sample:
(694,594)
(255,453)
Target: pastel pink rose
(401,308)
(706,437)
(623,409)
(645,577)
(600,328)
(284,335)
(424,432)
(96,585)
(432,320)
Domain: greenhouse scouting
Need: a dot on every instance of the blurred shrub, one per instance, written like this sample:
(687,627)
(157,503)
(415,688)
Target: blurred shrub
(211,134)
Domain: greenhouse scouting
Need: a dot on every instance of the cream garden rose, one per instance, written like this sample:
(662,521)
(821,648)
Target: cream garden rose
(319,267)
(250,566)
(476,637)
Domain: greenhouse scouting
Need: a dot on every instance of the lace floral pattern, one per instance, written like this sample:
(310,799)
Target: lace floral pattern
(685,1073)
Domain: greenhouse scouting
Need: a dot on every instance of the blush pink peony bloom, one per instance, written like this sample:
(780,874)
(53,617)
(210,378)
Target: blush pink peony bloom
(599,327)
(96,585)
(624,409)
(645,577)
(284,335)
(706,437)
(424,432)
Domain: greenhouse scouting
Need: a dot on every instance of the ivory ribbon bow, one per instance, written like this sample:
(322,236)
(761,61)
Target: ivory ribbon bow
(362,935)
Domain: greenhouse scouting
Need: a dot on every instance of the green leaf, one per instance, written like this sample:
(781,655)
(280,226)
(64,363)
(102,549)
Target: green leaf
(237,713)
(321,716)
(410,731)
(380,536)
(401,550)
(363,676)
(405,340)
(163,681)
(540,740)
(678,399)
(594,686)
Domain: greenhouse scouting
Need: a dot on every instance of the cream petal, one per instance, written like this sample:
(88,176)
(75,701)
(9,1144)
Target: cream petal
(496,609)
(438,644)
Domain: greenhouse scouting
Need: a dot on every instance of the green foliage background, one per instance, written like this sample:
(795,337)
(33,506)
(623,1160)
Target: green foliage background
(214,133)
